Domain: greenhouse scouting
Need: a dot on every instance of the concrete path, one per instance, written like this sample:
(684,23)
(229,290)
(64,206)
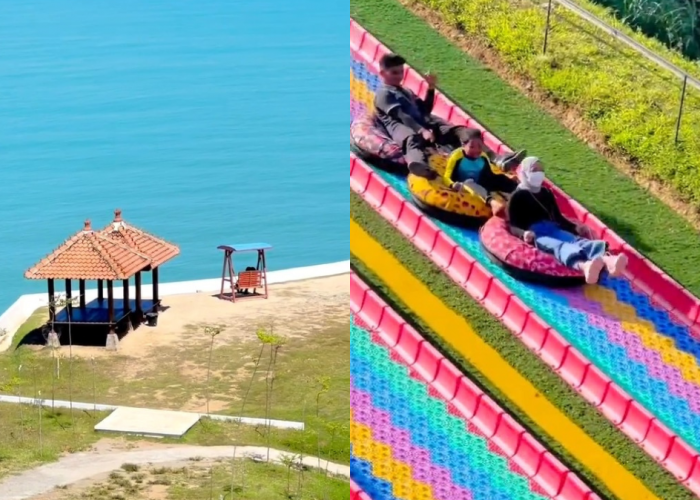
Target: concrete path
(81,466)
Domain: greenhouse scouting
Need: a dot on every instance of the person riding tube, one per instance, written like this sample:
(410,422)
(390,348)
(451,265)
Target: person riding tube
(534,216)
(470,167)
(408,119)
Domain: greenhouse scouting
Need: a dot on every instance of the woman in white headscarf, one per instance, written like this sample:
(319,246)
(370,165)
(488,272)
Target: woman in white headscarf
(534,216)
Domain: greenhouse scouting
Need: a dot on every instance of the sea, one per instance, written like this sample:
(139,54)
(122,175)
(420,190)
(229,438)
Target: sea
(206,122)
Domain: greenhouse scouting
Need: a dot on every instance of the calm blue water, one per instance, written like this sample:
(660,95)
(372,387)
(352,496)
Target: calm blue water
(206,121)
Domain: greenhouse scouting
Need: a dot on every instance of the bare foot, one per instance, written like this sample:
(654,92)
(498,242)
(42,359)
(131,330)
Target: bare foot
(615,264)
(592,269)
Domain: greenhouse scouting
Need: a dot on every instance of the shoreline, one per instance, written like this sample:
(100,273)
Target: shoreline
(25,305)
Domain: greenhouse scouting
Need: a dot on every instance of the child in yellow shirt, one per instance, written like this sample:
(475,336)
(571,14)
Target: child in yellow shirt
(469,167)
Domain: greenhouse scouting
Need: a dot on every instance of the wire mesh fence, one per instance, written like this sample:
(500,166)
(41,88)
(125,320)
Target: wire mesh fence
(676,91)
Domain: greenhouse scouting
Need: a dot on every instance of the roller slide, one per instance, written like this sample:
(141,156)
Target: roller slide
(419,427)
(628,345)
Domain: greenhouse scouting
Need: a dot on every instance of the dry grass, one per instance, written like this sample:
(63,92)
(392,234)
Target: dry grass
(204,480)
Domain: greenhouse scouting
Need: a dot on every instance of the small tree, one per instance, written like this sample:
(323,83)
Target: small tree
(288,461)
(69,303)
(21,404)
(260,332)
(38,402)
(94,385)
(40,405)
(211,331)
(300,476)
(333,428)
(324,385)
(275,343)
(52,339)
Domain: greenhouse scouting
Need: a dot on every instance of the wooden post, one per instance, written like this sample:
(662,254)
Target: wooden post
(139,308)
(546,28)
(264,271)
(81,285)
(227,269)
(52,301)
(69,299)
(127,305)
(680,109)
(110,304)
(100,294)
(155,287)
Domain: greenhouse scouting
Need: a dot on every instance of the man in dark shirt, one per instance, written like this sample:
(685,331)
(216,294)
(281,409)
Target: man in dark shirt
(407,118)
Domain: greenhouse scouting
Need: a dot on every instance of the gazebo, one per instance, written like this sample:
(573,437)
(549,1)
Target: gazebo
(113,254)
(156,249)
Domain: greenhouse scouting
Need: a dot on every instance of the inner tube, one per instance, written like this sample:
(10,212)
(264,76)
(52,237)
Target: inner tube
(371,142)
(522,261)
(458,208)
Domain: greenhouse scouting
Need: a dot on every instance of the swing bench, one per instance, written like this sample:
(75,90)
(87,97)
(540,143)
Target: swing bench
(255,278)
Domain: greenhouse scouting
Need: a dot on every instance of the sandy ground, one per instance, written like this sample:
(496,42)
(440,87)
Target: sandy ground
(297,309)
(293,309)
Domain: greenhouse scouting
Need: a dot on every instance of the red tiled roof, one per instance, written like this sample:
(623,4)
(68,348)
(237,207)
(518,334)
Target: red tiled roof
(90,255)
(157,249)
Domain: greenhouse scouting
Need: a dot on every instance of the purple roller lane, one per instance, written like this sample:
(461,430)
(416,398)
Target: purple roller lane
(424,470)
(636,349)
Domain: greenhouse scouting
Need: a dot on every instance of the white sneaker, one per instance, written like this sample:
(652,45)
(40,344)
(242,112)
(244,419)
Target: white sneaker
(592,269)
(615,264)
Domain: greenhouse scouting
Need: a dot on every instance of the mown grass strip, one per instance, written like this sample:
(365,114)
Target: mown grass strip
(644,221)
(660,482)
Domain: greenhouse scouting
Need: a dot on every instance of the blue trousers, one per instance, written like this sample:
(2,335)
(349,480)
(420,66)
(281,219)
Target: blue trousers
(567,248)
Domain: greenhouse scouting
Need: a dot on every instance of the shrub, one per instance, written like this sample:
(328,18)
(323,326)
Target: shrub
(630,101)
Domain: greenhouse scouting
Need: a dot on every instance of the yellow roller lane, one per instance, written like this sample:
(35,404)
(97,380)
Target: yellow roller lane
(455,329)
(626,314)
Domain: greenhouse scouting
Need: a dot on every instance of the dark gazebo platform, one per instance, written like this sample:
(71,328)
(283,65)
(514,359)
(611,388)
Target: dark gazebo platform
(97,312)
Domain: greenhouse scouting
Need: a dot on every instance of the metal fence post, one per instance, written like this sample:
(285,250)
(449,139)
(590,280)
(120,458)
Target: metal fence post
(546,29)
(680,108)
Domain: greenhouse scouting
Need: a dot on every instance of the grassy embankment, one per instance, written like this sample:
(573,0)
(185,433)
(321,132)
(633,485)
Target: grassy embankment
(309,385)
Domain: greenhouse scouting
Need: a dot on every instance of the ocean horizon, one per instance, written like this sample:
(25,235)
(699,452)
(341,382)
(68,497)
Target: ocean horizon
(206,123)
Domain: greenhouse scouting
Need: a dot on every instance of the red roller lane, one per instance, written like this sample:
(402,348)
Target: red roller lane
(356,492)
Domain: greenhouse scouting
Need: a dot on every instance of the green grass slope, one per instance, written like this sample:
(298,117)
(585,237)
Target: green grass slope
(516,354)
(644,221)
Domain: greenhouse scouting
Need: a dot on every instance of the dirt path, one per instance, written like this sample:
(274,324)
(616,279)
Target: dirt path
(83,466)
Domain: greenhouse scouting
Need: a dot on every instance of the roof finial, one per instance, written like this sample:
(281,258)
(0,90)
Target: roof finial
(88,226)
(118,215)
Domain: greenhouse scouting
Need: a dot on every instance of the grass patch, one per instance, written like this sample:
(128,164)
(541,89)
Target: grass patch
(206,481)
(310,380)
(516,354)
(32,436)
(580,171)
(30,439)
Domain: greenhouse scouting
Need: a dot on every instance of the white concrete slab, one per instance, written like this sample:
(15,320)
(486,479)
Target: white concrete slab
(146,422)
